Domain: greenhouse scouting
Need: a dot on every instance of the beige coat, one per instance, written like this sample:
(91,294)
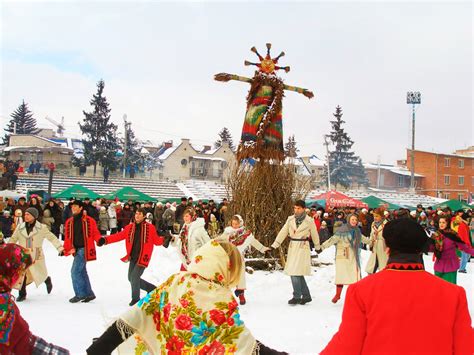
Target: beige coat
(34,241)
(347,270)
(378,249)
(298,261)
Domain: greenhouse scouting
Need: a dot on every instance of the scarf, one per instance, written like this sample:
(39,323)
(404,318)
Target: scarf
(300,218)
(14,260)
(438,238)
(193,312)
(354,236)
(238,236)
(183,236)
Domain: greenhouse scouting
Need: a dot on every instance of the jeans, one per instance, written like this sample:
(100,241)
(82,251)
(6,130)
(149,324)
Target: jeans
(136,282)
(80,279)
(464,260)
(300,288)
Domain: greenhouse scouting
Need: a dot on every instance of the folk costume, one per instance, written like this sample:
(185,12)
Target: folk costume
(446,243)
(15,335)
(80,236)
(32,236)
(347,240)
(379,257)
(140,239)
(391,312)
(190,238)
(242,238)
(193,312)
(299,229)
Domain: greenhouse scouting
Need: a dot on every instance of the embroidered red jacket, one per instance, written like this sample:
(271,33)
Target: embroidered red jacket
(148,239)
(403,312)
(90,233)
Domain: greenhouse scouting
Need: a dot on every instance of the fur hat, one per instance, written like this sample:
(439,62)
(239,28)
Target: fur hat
(405,236)
(32,211)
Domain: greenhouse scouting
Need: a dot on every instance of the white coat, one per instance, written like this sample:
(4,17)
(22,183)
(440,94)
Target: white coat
(37,272)
(379,247)
(242,239)
(197,237)
(347,269)
(298,261)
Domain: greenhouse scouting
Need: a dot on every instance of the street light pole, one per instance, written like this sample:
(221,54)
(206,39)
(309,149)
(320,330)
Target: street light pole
(413,98)
(326,143)
(125,145)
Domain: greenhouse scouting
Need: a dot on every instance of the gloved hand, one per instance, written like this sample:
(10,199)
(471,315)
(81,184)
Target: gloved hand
(101,241)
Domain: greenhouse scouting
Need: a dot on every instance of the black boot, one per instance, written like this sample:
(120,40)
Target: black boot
(49,284)
(22,294)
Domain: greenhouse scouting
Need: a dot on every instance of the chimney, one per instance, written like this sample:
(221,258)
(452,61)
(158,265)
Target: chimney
(168,144)
(206,148)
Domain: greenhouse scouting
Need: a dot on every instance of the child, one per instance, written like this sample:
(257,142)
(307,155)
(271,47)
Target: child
(16,336)
(6,220)
(213,227)
(17,219)
(242,238)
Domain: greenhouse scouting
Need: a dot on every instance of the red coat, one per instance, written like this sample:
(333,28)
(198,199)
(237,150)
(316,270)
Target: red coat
(148,239)
(403,312)
(90,233)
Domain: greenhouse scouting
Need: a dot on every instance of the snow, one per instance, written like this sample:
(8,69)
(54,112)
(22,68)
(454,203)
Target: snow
(295,329)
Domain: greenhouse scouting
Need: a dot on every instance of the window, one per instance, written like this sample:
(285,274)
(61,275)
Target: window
(447,162)
(446,195)
(447,179)
(461,163)
(400,180)
(460,180)
(460,196)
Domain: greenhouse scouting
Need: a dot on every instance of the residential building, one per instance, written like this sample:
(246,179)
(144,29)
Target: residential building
(449,176)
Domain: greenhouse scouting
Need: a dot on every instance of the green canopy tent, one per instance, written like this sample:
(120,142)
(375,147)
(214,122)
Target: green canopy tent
(454,205)
(76,191)
(375,202)
(129,193)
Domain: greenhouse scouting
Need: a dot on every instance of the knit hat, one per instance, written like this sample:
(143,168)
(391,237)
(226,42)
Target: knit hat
(33,211)
(405,236)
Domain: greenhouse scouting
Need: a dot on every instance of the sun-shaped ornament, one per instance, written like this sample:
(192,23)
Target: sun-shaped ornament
(268,65)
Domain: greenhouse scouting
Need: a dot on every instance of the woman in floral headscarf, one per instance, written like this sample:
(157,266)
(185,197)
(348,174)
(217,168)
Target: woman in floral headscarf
(15,335)
(193,312)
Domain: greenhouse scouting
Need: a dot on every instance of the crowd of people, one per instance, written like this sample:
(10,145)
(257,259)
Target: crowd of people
(211,246)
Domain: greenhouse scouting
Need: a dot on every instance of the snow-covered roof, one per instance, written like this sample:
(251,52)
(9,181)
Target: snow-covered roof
(211,151)
(34,148)
(167,152)
(404,172)
(207,158)
(315,161)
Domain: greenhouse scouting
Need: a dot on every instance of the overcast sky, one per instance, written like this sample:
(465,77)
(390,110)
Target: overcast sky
(158,60)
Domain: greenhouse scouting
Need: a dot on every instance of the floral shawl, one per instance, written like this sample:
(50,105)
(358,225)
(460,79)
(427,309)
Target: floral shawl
(14,260)
(193,312)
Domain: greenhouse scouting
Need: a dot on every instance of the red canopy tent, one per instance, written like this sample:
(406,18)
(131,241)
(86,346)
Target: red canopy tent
(337,199)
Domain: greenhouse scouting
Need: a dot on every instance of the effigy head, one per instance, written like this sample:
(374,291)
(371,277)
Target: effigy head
(268,65)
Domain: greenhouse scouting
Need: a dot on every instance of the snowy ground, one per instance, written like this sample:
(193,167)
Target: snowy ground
(295,329)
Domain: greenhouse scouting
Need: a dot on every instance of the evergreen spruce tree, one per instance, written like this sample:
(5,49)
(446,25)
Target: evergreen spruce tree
(22,117)
(100,144)
(224,136)
(133,156)
(360,174)
(290,147)
(341,160)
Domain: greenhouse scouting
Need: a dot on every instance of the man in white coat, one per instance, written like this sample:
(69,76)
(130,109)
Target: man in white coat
(30,234)
(300,229)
